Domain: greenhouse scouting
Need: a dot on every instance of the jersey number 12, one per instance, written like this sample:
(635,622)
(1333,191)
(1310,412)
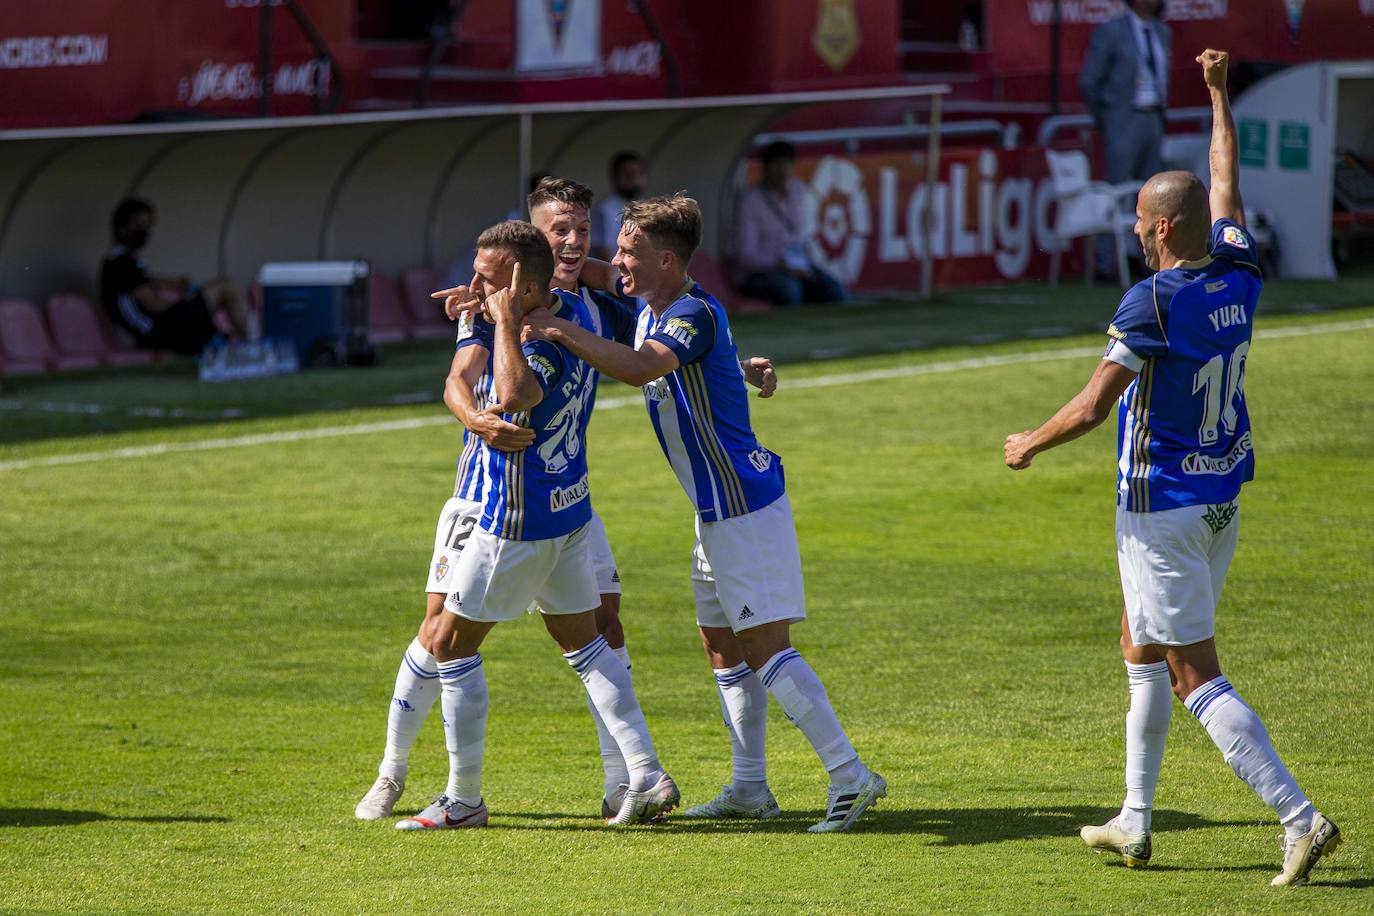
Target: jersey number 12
(1216,408)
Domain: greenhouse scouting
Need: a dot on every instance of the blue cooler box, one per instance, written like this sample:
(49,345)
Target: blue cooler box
(320,306)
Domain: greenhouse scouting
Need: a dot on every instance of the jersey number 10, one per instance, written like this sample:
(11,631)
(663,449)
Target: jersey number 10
(1216,409)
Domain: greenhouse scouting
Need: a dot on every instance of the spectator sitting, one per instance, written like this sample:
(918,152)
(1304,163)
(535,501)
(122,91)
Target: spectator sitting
(163,313)
(627,178)
(770,237)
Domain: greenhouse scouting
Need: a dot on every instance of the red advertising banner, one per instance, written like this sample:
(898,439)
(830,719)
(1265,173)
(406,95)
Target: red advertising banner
(993,214)
(117,60)
(1017,36)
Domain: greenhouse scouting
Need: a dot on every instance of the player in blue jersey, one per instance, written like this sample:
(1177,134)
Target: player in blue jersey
(746,568)
(530,542)
(561,209)
(1176,361)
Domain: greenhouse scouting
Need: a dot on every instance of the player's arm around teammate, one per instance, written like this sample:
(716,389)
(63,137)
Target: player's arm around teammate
(468,365)
(758,370)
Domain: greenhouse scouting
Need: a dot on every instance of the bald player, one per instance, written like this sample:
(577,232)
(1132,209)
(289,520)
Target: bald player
(1176,361)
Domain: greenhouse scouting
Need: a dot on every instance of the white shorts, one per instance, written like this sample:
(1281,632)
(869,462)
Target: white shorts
(496,579)
(455,524)
(603,561)
(1173,565)
(746,570)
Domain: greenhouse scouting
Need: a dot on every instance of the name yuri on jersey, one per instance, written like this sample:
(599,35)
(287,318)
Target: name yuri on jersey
(1228,316)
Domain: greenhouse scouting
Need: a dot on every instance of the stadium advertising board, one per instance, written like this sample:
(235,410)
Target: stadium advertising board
(109,60)
(993,214)
(1280,31)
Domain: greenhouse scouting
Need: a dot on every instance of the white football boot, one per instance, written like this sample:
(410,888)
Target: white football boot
(1300,856)
(610,804)
(649,805)
(380,799)
(844,804)
(727,805)
(1135,850)
(446,814)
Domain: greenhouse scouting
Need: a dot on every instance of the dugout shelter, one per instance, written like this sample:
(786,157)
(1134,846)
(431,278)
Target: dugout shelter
(400,189)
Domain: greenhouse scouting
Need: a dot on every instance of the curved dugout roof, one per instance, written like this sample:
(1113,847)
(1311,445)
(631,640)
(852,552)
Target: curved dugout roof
(402,189)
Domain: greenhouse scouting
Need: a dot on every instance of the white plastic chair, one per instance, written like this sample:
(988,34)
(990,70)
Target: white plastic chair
(1088,208)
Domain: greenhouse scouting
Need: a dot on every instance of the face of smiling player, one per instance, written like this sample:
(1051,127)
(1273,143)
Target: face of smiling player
(569,230)
(645,271)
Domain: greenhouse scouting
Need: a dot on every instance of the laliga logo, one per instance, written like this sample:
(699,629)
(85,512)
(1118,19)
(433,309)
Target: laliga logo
(838,212)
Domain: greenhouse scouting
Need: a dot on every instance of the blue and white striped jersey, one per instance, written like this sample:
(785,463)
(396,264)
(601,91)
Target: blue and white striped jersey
(1183,436)
(541,492)
(612,317)
(700,411)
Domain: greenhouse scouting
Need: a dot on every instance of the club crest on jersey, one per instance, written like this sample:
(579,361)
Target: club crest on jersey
(441,569)
(761,459)
(1231,235)
(680,330)
(563,497)
(465,327)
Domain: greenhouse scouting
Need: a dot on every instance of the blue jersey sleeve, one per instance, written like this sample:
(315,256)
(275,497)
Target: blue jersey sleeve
(1234,242)
(547,361)
(475,330)
(688,329)
(618,317)
(1139,322)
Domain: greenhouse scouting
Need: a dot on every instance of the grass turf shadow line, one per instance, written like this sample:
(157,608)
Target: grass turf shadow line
(59,817)
(957,826)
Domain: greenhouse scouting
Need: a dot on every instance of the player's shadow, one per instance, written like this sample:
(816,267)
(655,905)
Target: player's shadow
(955,826)
(59,817)
(975,826)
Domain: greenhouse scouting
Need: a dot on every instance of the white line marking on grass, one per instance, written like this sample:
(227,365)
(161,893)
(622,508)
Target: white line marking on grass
(820,381)
(74,407)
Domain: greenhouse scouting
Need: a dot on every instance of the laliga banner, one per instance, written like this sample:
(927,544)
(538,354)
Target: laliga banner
(993,213)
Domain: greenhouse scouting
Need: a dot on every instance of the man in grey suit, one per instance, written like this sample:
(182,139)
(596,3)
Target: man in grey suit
(1125,81)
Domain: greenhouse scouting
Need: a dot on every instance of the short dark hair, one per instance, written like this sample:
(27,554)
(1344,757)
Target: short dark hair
(778,151)
(127,209)
(560,190)
(672,221)
(621,158)
(525,245)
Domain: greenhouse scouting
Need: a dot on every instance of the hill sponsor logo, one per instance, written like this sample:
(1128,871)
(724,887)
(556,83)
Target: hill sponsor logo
(681,330)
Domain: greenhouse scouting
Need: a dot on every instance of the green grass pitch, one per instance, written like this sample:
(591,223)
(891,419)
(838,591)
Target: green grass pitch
(197,650)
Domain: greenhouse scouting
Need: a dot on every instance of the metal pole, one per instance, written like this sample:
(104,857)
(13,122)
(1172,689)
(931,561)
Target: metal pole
(526,158)
(1055,20)
(265,60)
(928,218)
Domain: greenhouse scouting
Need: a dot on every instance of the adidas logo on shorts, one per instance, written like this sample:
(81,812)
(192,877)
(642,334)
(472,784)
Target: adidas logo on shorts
(746,613)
